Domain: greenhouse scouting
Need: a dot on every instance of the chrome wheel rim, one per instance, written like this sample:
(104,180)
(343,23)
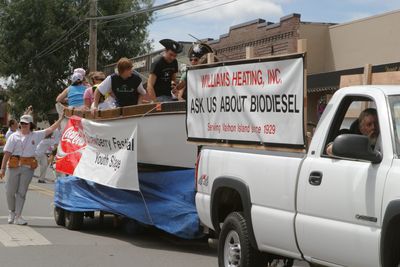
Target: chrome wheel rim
(232,250)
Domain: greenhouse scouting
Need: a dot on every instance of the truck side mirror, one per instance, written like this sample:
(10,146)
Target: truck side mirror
(355,146)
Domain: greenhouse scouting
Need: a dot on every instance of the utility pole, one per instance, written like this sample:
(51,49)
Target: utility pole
(92,64)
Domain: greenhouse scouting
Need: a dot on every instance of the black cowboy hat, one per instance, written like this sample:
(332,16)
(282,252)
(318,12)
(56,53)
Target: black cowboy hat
(172,45)
(198,50)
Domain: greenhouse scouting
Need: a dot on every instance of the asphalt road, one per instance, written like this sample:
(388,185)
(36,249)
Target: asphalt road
(43,243)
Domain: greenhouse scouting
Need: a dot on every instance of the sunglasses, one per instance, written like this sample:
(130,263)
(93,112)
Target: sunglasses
(195,59)
(24,123)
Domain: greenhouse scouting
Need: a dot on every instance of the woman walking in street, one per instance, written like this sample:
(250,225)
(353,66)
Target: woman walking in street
(19,164)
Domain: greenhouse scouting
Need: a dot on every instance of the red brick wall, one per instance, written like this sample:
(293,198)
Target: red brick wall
(267,38)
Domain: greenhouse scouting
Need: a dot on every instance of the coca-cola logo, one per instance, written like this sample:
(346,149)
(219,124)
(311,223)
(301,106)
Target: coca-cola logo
(72,140)
(73,137)
(71,145)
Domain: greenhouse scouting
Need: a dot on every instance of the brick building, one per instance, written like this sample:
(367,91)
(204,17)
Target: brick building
(266,37)
(332,49)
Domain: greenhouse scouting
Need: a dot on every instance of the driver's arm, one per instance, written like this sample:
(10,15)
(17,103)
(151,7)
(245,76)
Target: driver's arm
(329,149)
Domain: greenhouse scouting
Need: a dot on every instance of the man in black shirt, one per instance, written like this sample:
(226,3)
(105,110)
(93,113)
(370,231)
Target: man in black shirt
(163,71)
(126,86)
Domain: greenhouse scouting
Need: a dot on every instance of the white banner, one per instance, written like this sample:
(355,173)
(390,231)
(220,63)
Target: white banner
(261,102)
(102,152)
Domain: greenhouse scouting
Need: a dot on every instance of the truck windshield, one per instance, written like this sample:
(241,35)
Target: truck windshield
(395,113)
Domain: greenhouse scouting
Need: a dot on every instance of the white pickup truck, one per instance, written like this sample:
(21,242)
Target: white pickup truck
(341,210)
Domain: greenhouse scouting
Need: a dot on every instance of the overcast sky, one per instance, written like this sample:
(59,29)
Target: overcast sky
(218,15)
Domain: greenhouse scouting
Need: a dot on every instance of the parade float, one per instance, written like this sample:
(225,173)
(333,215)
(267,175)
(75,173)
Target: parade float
(161,131)
(134,162)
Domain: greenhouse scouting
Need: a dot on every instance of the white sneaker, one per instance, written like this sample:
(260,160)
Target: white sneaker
(11,217)
(20,221)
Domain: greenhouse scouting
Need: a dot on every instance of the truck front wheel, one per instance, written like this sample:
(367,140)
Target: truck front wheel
(234,248)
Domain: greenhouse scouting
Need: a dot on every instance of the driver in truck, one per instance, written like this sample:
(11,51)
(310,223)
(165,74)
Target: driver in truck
(367,124)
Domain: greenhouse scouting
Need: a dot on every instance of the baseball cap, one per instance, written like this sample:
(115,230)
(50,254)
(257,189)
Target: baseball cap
(26,119)
(76,77)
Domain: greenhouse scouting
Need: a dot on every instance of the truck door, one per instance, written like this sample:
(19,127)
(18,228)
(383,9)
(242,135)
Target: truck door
(339,200)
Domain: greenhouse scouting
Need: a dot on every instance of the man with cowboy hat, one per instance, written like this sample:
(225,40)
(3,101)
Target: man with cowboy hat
(197,55)
(163,71)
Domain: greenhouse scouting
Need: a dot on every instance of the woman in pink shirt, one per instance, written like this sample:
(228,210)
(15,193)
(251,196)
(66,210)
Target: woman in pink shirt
(96,78)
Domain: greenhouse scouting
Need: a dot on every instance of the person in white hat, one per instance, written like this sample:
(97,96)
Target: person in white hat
(19,164)
(74,93)
(82,72)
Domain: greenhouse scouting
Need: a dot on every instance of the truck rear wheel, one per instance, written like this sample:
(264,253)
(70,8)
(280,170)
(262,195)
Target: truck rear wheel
(73,220)
(59,216)
(234,248)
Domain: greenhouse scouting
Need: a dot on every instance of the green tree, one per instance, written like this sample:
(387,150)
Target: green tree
(42,41)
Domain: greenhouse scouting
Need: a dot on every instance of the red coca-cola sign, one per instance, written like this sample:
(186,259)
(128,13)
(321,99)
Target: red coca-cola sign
(72,143)
(73,138)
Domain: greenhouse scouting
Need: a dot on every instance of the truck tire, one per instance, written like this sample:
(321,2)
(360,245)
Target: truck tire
(59,216)
(393,253)
(73,220)
(234,248)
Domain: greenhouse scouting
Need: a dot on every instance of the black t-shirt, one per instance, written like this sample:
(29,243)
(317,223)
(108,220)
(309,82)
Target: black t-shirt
(125,91)
(164,72)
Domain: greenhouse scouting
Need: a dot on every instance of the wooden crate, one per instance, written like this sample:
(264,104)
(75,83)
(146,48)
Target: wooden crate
(109,113)
(138,110)
(78,112)
(87,114)
(175,106)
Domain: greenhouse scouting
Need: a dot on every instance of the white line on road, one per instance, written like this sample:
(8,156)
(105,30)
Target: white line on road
(31,218)
(18,236)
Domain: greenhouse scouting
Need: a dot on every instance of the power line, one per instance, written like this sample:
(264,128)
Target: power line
(65,35)
(173,17)
(160,7)
(53,47)
(198,11)
(59,40)
(71,17)
(141,11)
(189,8)
(64,44)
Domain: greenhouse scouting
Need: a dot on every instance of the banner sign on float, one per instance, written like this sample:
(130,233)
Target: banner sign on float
(102,152)
(257,102)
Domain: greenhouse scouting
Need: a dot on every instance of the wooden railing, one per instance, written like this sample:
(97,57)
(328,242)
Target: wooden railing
(130,111)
